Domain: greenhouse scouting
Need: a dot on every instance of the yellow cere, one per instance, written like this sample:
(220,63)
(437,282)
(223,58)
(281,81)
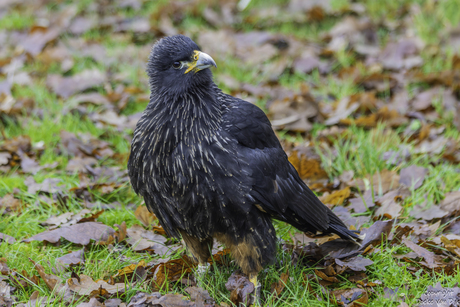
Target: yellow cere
(192,65)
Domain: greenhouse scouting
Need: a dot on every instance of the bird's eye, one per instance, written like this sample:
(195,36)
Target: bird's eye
(177,65)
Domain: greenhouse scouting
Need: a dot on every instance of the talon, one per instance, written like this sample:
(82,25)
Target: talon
(201,271)
(257,288)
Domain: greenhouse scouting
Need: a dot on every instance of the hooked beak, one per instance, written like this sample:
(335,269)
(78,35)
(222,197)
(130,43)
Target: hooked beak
(200,61)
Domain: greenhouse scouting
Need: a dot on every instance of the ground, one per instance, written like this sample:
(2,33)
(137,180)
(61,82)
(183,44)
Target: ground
(363,95)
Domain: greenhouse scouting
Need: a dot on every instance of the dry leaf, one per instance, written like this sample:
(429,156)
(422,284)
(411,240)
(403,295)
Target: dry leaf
(144,216)
(278,287)
(79,233)
(337,197)
(413,176)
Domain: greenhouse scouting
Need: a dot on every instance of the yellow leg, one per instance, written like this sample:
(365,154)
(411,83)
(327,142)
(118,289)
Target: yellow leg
(257,286)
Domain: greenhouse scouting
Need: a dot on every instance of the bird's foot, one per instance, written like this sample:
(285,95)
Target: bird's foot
(201,271)
(257,287)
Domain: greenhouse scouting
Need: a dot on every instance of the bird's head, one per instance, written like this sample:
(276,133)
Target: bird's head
(176,65)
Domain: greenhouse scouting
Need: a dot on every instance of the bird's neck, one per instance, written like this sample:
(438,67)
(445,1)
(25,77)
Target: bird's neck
(189,117)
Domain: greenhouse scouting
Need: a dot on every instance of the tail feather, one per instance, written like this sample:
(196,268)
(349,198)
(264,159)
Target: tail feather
(338,227)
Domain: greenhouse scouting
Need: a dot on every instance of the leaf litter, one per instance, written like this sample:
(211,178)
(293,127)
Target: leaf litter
(376,203)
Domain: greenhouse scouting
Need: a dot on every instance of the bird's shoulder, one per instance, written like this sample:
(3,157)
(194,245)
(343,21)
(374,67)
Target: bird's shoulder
(247,123)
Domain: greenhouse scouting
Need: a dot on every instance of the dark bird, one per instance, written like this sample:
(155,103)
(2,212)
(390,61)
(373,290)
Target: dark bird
(209,165)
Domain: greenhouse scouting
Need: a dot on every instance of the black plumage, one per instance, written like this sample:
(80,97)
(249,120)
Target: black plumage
(210,166)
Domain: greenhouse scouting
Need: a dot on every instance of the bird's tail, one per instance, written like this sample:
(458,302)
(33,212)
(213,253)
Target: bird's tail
(338,227)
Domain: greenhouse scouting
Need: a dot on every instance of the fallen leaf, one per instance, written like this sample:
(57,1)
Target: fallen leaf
(93,302)
(34,42)
(362,203)
(79,233)
(379,183)
(390,203)
(307,165)
(351,297)
(7,238)
(422,252)
(85,286)
(433,212)
(144,216)
(337,197)
(200,296)
(76,257)
(49,185)
(67,86)
(141,239)
(53,282)
(173,270)
(278,287)
(451,203)
(356,263)
(413,176)
(240,288)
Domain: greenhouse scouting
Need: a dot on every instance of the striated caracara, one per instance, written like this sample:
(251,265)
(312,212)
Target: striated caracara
(210,166)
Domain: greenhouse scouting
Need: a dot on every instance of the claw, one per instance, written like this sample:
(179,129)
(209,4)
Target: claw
(257,287)
(201,271)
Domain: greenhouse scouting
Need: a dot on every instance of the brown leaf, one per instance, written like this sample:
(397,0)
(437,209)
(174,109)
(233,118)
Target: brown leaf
(413,176)
(144,216)
(362,203)
(79,233)
(294,113)
(337,197)
(374,235)
(67,86)
(200,296)
(403,54)
(126,272)
(36,41)
(36,301)
(4,269)
(323,276)
(390,203)
(49,185)
(380,183)
(451,203)
(85,286)
(351,297)
(5,294)
(141,239)
(422,252)
(241,289)
(433,212)
(357,263)
(390,117)
(77,257)
(10,204)
(53,282)
(308,166)
(173,270)
(7,238)
(278,287)
(93,302)
(342,110)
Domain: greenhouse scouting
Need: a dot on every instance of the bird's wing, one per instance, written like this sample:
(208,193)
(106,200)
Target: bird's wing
(277,187)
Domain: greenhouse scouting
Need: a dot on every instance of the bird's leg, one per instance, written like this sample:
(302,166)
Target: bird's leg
(200,251)
(201,270)
(257,287)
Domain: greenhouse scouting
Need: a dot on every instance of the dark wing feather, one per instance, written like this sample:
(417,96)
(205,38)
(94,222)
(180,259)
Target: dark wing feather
(277,187)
